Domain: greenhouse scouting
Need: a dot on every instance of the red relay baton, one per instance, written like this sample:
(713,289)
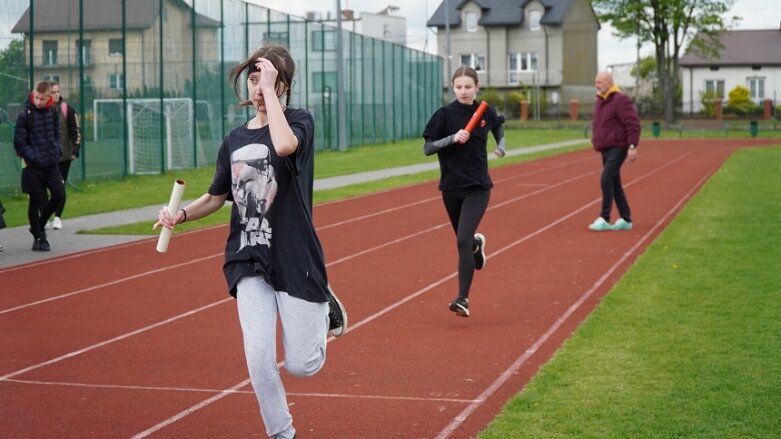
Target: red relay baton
(476,117)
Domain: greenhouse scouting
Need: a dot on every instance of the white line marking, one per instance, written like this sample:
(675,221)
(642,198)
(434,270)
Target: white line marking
(389,308)
(510,371)
(340,223)
(241,392)
(108,284)
(112,340)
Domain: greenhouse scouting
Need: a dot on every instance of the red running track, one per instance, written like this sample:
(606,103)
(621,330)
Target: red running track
(126,342)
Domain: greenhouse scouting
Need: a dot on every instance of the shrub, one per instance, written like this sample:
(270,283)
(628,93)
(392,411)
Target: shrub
(708,107)
(739,96)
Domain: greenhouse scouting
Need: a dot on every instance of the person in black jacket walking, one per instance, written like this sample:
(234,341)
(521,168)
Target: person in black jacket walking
(37,142)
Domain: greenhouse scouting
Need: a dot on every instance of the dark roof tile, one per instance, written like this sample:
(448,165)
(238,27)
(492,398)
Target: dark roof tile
(62,15)
(500,12)
(741,48)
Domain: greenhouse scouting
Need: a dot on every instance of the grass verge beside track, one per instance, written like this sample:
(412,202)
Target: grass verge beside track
(688,342)
(146,190)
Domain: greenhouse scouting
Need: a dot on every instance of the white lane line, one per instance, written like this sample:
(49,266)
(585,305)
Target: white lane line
(108,284)
(241,392)
(510,371)
(389,308)
(340,223)
(112,340)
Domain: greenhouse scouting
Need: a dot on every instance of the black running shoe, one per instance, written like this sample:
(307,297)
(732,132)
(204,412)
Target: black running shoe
(460,306)
(480,251)
(337,315)
(41,244)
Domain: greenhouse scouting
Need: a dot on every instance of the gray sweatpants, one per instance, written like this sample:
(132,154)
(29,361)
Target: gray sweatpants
(304,332)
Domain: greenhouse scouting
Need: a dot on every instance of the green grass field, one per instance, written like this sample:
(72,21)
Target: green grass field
(688,343)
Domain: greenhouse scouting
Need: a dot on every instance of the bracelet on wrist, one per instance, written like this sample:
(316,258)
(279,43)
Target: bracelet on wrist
(184,215)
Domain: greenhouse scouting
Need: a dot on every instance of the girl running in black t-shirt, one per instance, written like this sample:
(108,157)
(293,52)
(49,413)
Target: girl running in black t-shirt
(464,179)
(274,263)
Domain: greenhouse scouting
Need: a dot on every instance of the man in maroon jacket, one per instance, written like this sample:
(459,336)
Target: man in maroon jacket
(615,133)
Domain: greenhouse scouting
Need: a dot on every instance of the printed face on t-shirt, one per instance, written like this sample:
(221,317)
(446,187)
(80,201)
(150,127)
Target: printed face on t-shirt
(254,187)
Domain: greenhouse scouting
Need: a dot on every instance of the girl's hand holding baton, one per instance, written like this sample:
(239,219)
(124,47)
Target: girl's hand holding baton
(169,216)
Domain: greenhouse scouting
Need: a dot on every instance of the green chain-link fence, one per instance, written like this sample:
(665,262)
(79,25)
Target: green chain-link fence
(149,79)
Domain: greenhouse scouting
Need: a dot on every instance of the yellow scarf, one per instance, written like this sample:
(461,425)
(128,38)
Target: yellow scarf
(613,89)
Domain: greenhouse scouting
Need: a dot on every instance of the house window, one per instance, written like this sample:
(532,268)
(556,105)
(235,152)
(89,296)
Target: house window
(115,47)
(324,40)
(714,87)
(55,78)
(471,21)
(534,19)
(757,88)
(518,63)
(85,49)
(474,60)
(277,37)
(324,81)
(116,81)
(49,53)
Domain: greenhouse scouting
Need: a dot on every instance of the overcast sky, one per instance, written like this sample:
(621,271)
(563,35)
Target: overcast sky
(757,14)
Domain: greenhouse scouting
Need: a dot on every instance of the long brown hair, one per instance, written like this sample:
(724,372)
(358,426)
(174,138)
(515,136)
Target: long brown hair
(464,71)
(279,57)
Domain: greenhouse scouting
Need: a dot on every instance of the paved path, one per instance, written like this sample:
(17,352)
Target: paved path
(17,241)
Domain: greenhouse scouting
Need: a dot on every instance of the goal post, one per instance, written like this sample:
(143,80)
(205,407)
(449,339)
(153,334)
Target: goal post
(162,134)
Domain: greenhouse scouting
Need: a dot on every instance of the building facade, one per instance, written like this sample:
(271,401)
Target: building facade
(61,49)
(548,44)
(749,58)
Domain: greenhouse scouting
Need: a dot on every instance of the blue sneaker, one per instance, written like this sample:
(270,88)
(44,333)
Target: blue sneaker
(621,224)
(599,225)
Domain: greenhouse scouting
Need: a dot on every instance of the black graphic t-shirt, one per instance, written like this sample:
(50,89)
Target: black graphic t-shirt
(271,229)
(462,165)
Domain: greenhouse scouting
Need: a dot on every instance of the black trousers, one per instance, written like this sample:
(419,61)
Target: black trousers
(35,183)
(64,167)
(612,160)
(466,208)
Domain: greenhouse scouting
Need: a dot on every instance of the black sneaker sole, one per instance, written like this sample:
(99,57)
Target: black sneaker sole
(459,310)
(338,330)
(480,253)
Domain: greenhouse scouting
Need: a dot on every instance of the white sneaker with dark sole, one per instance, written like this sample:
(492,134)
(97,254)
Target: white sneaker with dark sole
(460,306)
(480,251)
(337,315)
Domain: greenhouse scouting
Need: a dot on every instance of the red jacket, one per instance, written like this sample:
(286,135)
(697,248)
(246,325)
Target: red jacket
(615,123)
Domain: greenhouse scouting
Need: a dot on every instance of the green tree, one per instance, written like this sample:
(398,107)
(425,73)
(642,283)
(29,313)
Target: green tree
(668,25)
(13,74)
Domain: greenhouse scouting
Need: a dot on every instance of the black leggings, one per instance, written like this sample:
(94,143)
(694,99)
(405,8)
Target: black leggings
(64,170)
(465,208)
(36,182)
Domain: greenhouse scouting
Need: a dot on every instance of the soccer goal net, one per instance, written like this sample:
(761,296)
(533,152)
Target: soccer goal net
(160,132)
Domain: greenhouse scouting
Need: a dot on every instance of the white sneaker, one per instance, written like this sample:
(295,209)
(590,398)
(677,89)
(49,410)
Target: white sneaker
(599,225)
(621,224)
(56,223)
